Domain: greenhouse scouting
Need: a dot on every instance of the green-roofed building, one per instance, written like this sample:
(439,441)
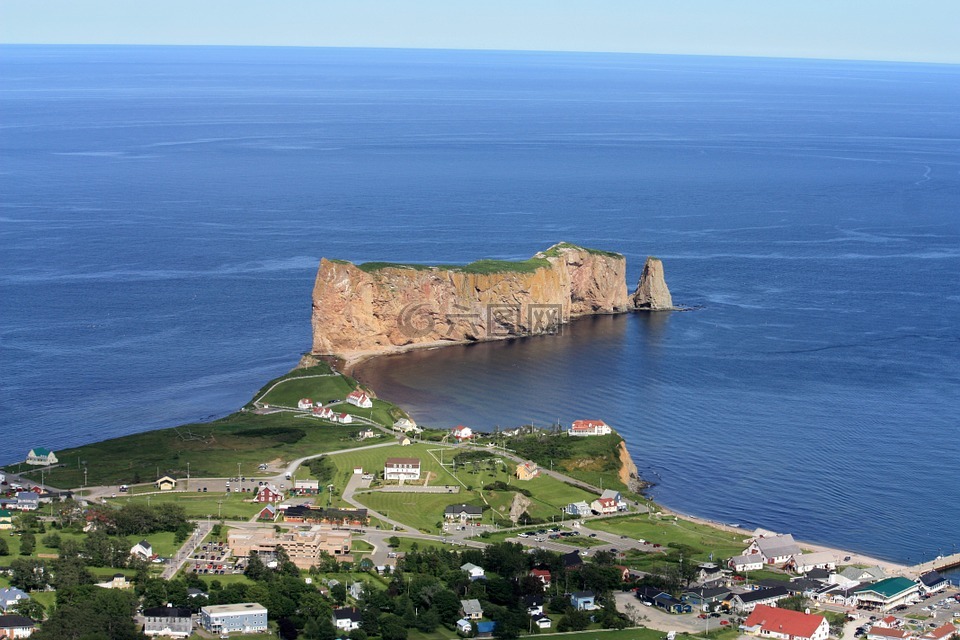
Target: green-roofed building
(889,593)
(6,519)
(41,457)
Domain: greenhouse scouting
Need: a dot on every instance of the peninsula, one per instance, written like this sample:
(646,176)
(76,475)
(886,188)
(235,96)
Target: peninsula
(381,307)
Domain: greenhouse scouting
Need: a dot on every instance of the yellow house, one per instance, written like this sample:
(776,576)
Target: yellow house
(527,470)
(166,483)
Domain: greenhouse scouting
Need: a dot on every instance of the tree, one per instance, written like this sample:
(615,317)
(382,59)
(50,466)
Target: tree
(29,574)
(574,621)
(794,603)
(4,548)
(30,608)
(447,605)
(70,571)
(392,627)
(51,540)
(91,612)
(255,569)
(339,593)
(28,542)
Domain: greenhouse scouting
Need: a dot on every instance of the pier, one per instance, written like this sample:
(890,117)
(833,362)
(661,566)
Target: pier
(940,563)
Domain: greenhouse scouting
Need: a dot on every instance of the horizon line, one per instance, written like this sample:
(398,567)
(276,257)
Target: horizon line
(476,50)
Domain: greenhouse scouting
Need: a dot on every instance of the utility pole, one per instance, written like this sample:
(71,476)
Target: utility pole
(188,469)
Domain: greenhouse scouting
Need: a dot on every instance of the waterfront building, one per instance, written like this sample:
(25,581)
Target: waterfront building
(774,549)
(41,457)
(784,624)
(589,428)
(359,399)
(804,562)
(932,582)
(305,403)
(888,593)
(246,617)
(401,469)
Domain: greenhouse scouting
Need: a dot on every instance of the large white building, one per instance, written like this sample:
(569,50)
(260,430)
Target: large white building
(401,469)
(589,428)
(774,549)
(246,617)
(359,399)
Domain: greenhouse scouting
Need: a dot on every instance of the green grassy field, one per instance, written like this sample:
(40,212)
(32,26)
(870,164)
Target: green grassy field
(636,633)
(420,510)
(592,459)
(201,505)
(702,539)
(323,389)
(212,450)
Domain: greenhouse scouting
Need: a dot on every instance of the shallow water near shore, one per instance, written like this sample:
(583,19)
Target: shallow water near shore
(164,210)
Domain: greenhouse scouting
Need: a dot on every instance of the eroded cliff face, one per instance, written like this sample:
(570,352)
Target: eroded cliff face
(652,293)
(379,309)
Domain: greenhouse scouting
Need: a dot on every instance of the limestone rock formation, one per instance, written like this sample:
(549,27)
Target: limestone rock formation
(381,307)
(652,293)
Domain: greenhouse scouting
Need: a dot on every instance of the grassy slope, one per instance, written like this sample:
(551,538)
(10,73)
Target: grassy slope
(213,449)
(701,538)
(593,459)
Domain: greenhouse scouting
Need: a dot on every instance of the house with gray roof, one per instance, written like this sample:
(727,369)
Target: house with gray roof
(774,549)
(10,596)
(471,609)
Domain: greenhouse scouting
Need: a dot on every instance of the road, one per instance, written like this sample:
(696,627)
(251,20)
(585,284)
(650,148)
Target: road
(183,554)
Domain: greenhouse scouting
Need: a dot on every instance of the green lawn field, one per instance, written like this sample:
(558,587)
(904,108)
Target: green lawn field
(703,539)
(231,506)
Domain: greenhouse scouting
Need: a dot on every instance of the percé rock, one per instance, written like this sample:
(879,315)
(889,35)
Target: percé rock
(381,307)
(652,293)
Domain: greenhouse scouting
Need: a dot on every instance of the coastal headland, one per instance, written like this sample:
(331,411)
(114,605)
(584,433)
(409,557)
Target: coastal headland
(380,307)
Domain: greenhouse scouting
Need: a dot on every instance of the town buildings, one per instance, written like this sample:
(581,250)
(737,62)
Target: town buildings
(303,547)
(401,469)
(784,624)
(246,617)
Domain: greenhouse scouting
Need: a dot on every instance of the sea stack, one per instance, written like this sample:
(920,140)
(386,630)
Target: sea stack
(652,293)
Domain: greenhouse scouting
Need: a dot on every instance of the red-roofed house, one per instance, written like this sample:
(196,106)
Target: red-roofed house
(323,412)
(359,399)
(604,505)
(774,622)
(543,575)
(886,633)
(345,418)
(589,428)
(940,633)
(305,403)
(461,433)
(890,622)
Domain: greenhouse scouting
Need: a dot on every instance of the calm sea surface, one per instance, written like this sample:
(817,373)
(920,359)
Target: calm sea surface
(163,210)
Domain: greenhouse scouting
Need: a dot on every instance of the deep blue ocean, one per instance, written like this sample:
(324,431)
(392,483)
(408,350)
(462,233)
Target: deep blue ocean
(163,210)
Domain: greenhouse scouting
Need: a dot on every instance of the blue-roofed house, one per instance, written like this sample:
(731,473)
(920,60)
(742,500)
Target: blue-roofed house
(10,596)
(485,628)
(583,600)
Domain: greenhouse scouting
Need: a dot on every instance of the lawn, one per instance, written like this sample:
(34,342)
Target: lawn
(702,539)
(228,506)
(636,633)
(211,450)
(325,389)
(420,510)
(595,459)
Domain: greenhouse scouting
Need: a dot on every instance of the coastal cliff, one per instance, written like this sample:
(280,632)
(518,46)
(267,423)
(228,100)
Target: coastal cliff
(382,307)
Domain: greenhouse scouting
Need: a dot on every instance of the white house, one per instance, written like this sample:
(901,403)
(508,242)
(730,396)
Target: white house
(542,622)
(589,428)
(366,433)
(784,624)
(774,549)
(753,562)
(804,562)
(14,626)
(305,403)
(142,549)
(401,469)
(404,424)
(603,505)
(42,457)
(464,627)
(747,602)
(346,619)
(461,433)
(475,572)
(931,582)
(245,617)
(359,399)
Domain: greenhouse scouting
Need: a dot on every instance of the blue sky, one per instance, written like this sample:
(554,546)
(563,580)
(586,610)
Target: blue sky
(908,30)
